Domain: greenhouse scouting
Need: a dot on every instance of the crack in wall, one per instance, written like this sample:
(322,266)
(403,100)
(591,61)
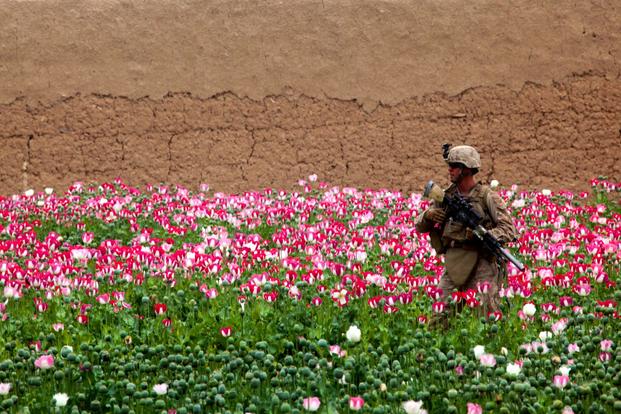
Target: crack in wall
(26,164)
(342,145)
(245,166)
(253,145)
(83,158)
(122,143)
(170,156)
(492,162)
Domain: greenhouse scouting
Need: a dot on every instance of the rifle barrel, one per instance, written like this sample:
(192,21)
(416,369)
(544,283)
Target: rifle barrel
(493,244)
(512,258)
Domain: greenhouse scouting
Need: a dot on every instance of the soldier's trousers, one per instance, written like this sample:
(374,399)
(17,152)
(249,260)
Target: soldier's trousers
(485,271)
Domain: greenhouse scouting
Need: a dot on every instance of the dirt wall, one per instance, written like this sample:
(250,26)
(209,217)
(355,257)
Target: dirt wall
(244,95)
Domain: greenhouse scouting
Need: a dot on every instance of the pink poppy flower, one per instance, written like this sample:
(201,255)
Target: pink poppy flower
(211,293)
(483,287)
(487,360)
(560,381)
(87,237)
(605,356)
(474,408)
(582,289)
(44,362)
(160,389)
(494,316)
(103,298)
(316,301)
(606,344)
(356,403)
(311,403)
(438,307)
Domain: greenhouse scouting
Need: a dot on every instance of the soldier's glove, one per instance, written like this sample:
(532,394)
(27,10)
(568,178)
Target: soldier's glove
(436,215)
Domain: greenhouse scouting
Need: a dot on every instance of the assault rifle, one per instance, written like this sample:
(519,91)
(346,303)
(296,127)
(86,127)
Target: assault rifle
(459,209)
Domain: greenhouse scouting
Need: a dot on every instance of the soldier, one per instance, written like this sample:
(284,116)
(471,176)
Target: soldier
(468,266)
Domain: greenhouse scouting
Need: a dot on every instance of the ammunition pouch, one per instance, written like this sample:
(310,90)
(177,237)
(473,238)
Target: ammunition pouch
(436,242)
(460,263)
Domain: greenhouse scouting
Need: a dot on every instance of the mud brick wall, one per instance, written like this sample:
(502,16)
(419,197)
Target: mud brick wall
(362,93)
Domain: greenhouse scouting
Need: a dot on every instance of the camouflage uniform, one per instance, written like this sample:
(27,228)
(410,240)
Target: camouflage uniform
(467,264)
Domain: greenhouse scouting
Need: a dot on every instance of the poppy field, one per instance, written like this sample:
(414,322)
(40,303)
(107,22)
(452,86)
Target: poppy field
(165,300)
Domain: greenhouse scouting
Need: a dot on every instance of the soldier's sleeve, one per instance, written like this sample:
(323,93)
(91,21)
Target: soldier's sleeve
(504,229)
(422,224)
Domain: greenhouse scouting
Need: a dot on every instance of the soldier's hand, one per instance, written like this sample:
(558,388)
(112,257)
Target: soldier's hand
(436,215)
(469,233)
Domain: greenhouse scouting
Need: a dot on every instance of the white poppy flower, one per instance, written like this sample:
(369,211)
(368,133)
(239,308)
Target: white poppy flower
(353,334)
(60,399)
(478,351)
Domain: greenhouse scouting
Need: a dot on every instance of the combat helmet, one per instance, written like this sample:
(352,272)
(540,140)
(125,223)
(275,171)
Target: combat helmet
(464,154)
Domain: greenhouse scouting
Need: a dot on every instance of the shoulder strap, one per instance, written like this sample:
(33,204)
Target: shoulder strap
(485,190)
